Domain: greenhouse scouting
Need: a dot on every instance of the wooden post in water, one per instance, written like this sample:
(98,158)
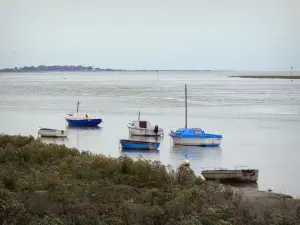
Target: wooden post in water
(185,106)
(77,106)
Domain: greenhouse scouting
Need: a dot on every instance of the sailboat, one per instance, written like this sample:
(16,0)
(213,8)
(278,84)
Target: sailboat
(82,119)
(194,136)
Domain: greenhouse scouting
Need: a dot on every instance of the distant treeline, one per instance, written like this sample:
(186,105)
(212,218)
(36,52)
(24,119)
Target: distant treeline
(55,68)
(83,68)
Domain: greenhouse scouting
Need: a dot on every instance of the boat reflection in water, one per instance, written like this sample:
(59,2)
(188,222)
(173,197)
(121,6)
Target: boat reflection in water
(84,137)
(137,153)
(197,156)
(57,140)
(70,127)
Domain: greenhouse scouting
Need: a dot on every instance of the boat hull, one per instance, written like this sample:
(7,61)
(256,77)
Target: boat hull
(52,133)
(209,142)
(144,132)
(139,145)
(231,175)
(84,122)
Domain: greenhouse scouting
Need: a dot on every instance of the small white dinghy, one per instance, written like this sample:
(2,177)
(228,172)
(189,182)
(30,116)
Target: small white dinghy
(236,175)
(47,132)
(144,128)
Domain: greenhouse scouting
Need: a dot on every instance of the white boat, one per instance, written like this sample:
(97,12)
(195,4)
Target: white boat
(194,136)
(236,175)
(47,132)
(144,128)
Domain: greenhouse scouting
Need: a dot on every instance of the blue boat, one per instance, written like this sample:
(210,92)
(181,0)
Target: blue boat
(194,136)
(82,119)
(141,145)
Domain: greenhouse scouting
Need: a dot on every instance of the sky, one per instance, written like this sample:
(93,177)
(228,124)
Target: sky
(156,34)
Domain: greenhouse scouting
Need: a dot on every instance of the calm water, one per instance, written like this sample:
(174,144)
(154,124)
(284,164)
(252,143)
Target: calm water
(258,118)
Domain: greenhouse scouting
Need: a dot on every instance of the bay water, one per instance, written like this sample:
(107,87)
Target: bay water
(258,118)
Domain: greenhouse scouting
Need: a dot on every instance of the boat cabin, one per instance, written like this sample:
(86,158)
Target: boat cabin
(140,124)
(81,115)
(193,133)
(189,132)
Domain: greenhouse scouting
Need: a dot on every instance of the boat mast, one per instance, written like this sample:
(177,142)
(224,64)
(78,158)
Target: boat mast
(77,106)
(185,106)
(139,116)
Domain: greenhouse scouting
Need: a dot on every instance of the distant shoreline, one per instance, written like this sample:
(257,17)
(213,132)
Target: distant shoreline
(41,71)
(80,68)
(269,76)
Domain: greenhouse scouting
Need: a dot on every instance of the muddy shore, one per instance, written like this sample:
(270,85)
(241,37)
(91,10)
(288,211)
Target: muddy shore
(269,76)
(263,200)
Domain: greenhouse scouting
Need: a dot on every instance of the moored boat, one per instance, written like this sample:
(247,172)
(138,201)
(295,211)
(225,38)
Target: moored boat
(142,145)
(82,119)
(194,136)
(236,175)
(144,128)
(48,132)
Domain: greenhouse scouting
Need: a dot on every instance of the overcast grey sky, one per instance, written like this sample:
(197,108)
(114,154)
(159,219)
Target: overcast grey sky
(153,34)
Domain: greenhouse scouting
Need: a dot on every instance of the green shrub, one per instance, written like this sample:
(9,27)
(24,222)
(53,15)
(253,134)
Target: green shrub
(52,184)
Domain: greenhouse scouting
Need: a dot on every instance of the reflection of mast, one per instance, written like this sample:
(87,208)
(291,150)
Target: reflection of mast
(77,139)
(78,106)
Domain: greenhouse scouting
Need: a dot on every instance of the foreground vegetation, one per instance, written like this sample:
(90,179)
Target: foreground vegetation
(52,184)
